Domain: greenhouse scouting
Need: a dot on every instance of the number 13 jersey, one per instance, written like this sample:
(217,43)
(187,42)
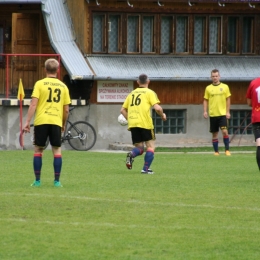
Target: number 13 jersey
(52,95)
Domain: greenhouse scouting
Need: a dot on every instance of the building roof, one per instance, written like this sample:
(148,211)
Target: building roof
(61,34)
(174,68)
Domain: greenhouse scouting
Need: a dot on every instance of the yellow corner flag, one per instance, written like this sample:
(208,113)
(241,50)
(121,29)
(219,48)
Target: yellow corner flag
(20,94)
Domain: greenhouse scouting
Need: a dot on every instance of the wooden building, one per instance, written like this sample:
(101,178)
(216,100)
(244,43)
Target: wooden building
(105,44)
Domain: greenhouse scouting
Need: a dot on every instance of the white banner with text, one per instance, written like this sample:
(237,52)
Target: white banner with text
(113,91)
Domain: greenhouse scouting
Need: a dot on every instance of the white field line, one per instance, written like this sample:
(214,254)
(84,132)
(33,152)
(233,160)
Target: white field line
(113,225)
(136,202)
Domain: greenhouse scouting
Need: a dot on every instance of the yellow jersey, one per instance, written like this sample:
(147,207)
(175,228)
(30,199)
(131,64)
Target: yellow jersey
(52,95)
(217,96)
(138,104)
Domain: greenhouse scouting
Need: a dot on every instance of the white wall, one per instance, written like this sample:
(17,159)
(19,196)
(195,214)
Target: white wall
(104,119)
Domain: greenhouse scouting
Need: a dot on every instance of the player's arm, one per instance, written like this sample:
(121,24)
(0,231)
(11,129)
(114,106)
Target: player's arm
(65,116)
(31,111)
(205,108)
(124,112)
(249,102)
(158,109)
(228,107)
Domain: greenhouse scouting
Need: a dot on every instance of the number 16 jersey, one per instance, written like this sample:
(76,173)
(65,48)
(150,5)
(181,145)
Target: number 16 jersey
(138,104)
(52,95)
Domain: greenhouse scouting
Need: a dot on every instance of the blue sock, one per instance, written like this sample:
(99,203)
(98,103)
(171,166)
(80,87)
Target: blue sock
(226,142)
(57,163)
(37,165)
(148,159)
(137,151)
(215,144)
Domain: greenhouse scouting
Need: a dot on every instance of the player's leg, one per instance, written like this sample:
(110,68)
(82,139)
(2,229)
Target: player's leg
(149,138)
(223,122)
(214,131)
(149,156)
(40,137)
(138,149)
(256,131)
(55,141)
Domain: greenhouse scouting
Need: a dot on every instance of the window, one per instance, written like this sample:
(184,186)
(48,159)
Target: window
(200,32)
(184,34)
(114,34)
(166,34)
(99,36)
(148,34)
(233,33)
(248,35)
(239,122)
(215,35)
(175,123)
(133,33)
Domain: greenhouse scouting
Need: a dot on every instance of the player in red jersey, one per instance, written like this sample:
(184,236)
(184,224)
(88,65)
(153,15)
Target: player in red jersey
(253,100)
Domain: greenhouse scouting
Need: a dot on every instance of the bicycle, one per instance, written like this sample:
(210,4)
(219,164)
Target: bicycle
(80,135)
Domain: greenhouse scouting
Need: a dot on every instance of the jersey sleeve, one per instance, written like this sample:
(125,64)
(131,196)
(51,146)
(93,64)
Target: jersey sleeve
(126,103)
(206,93)
(228,93)
(36,90)
(67,99)
(153,98)
(249,92)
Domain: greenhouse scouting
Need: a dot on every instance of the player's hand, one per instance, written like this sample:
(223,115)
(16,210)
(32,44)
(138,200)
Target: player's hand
(205,115)
(26,128)
(228,116)
(164,118)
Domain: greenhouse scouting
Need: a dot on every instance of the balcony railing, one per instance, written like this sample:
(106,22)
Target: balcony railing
(28,67)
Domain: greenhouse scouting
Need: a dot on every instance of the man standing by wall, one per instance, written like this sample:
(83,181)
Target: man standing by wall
(136,109)
(217,101)
(50,103)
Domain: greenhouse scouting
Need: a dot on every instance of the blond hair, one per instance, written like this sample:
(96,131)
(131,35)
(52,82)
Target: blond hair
(51,66)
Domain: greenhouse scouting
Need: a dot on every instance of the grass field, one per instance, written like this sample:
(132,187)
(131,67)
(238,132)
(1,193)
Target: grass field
(195,206)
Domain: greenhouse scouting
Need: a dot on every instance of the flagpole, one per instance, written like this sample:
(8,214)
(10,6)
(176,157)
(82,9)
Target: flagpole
(20,97)
(21,120)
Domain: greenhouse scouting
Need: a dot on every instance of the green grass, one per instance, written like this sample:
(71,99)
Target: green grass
(195,206)
(205,149)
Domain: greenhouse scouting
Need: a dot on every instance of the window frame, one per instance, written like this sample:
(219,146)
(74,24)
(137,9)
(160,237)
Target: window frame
(154,29)
(205,35)
(220,33)
(187,42)
(252,34)
(186,36)
(120,36)
(104,36)
(171,33)
(244,127)
(168,124)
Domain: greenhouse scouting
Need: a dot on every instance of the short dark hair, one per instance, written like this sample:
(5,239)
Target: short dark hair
(143,78)
(215,71)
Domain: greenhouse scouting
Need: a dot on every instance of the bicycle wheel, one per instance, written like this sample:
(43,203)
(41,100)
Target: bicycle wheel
(82,136)
(28,139)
